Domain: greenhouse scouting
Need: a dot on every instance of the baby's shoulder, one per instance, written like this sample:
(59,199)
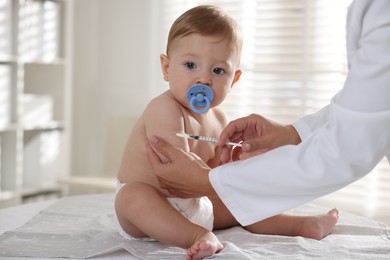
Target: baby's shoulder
(164,98)
(163,103)
(162,108)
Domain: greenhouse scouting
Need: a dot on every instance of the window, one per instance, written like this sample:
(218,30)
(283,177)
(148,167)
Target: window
(38,31)
(293,59)
(5,54)
(293,62)
(32,110)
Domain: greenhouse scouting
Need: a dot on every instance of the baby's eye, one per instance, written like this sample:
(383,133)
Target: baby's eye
(190,65)
(218,71)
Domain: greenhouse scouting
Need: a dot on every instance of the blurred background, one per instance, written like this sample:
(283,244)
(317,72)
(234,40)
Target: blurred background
(75,75)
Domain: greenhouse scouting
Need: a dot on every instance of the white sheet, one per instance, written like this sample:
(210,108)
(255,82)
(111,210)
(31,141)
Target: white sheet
(14,217)
(83,226)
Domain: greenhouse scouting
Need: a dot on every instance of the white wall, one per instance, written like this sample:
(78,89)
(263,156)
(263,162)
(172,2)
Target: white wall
(115,68)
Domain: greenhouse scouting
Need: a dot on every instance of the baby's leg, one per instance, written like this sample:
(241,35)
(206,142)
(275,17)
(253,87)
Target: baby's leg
(144,212)
(222,219)
(316,227)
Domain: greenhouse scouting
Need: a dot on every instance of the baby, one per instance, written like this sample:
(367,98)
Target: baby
(201,65)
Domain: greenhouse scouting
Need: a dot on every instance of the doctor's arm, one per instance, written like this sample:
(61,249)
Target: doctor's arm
(347,143)
(257,134)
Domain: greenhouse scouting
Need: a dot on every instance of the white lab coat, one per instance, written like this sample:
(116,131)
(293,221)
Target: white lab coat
(340,144)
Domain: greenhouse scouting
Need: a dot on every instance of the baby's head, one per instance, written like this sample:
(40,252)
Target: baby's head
(207,20)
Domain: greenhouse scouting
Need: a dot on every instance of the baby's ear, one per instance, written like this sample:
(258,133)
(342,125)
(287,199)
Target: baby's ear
(164,59)
(237,76)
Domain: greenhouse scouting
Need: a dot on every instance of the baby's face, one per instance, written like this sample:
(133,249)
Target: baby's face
(197,59)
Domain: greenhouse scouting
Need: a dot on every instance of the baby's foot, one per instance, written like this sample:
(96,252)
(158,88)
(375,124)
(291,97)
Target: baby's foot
(206,245)
(317,227)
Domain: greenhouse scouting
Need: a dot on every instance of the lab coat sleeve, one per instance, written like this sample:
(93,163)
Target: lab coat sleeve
(305,126)
(350,137)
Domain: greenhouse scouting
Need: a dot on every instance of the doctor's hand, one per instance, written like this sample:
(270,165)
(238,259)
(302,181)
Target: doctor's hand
(185,175)
(257,135)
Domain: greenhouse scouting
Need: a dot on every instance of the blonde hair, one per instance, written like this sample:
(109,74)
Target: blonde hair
(206,20)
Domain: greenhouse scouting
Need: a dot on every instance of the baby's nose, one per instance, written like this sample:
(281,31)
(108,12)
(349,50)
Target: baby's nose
(204,79)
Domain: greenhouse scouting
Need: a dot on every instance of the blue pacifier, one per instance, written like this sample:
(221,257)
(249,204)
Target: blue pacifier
(200,97)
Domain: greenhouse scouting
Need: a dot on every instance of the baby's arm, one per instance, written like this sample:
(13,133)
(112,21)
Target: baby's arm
(220,122)
(164,118)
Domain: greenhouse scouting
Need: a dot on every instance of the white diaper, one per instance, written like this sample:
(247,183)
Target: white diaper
(199,211)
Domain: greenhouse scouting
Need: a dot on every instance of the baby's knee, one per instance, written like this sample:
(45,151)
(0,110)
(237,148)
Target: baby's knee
(129,201)
(132,193)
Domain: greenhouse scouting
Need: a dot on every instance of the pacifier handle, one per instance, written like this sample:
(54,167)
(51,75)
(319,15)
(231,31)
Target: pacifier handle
(200,95)
(195,99)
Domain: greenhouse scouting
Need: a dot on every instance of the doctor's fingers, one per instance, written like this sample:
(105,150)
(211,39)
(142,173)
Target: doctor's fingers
(234,131)
(259,145)
(277,135)
(246,128)
(226,154)
(231,154)
(155,152)
(238,154)
(244,156)
(174,154)
(156,146)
